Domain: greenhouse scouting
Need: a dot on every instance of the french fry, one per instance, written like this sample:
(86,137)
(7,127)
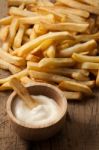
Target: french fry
(19,36)
(5,46)
(90,83)
(65,26)
(97,79)
(37,19)
(68,14)
(58,3)
(75,19)
(67,10)
(31,57)
(22,6)
(44,45)
(79,76)
(25,81)
(66,44)
(23,92)
(17,75)
(44,3)
(84,72)
(11,59)
(90,65)
(7,66)
(50,52)
(61,71)
(85,58)
(22,13)
(4,33)
(40,3)
(29,46)
(78,48)
(57,15)
(48,76)
(33,34)
(5,87)
(29,38)
(70,42)
(84,53)
(6,21)
(19,2)
(39,29)
(75,86)
(78,5)
(28,31)
(56,62)
(25,39)
(91,2)
(12,31)
(62,46)
(10,51)
(47,3)
(86,37)
(73,95)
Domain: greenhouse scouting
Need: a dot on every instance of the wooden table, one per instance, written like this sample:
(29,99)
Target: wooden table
(80,130)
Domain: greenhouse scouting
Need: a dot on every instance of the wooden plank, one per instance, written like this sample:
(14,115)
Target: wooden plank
(81,130)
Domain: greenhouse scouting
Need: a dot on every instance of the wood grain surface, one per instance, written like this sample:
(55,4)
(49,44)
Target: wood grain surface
(81,129)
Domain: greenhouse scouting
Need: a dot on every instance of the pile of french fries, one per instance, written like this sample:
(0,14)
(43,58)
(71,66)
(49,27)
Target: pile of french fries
(52,42)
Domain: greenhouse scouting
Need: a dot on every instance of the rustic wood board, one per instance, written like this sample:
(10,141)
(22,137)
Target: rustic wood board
(81,129)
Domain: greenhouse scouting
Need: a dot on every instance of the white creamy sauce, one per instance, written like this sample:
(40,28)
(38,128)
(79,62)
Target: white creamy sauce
(47,111)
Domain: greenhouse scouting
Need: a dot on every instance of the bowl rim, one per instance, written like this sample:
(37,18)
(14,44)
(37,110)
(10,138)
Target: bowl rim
(26,125)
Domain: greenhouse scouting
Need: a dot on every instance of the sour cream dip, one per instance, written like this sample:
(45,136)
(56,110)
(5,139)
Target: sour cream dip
(47,111)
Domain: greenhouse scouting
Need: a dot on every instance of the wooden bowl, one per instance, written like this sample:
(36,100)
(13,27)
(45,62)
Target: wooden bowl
(31,132)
